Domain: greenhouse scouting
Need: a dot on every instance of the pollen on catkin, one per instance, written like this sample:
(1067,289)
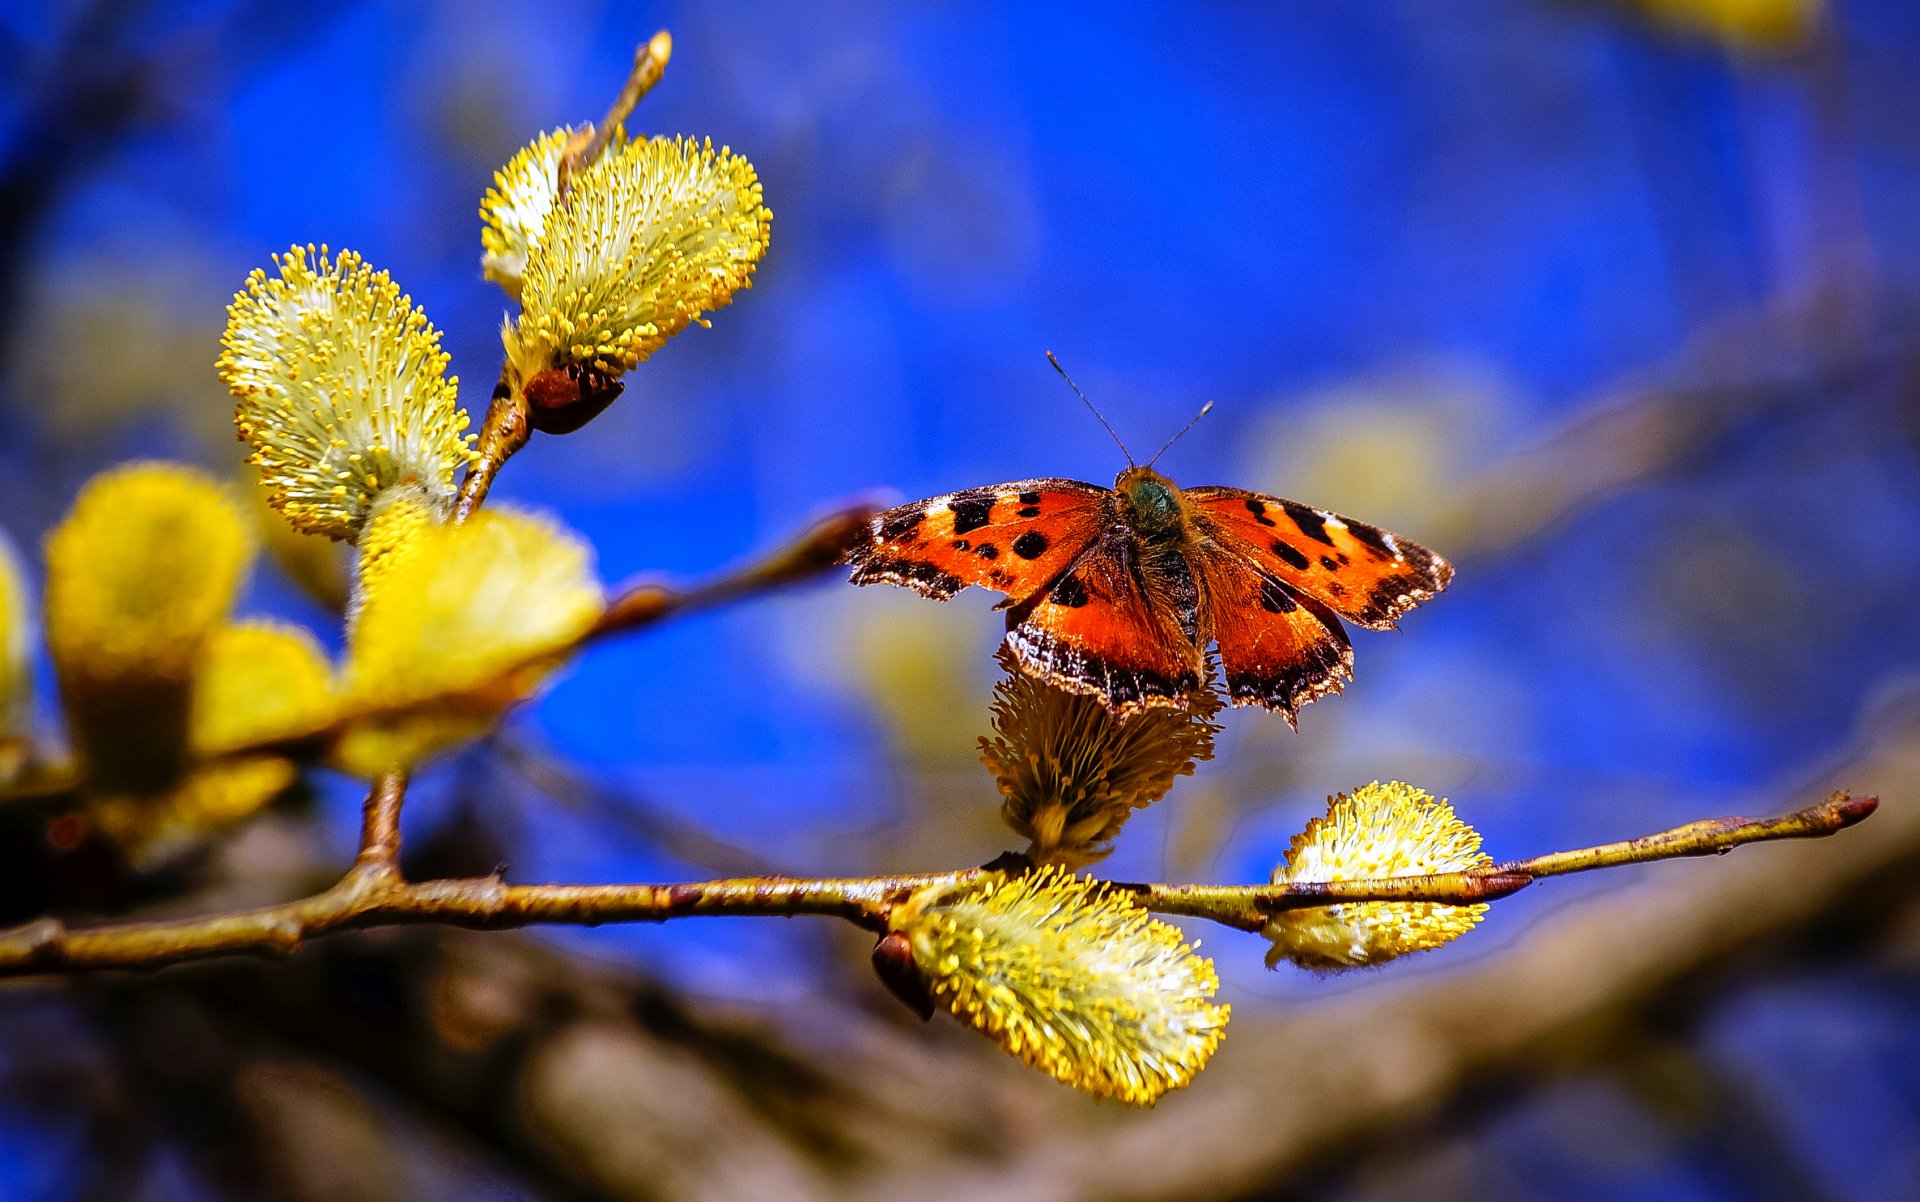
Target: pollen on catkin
(1382,830)
(140,574)
(341,390)
(1071,976)
(463,622)
(513,214)
(1071,772)
(651,236)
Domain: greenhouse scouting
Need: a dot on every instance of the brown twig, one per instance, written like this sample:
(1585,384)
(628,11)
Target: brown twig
(379,857)
(1249,907)
(373,893)
(502,435)
(818,548)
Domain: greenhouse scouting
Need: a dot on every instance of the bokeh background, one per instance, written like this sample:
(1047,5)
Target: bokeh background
(1613,303)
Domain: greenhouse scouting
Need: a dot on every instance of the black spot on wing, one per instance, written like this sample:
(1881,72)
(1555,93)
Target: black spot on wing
(971,512)
(1290,556)
(1029,498)
(1309,521)
(1330,563)
(1258,509)
(1031,545)
(1028,511)
(987,551)
(896,524)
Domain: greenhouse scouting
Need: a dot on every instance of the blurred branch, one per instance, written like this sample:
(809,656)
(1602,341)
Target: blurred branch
(373,893)
(1750,366)
(635,607)
(818,549)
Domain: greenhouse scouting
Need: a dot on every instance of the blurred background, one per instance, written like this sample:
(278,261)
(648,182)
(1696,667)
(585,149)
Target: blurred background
(1615,303)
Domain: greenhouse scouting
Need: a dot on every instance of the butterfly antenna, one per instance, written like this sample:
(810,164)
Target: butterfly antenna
(1204,410)
(1090,405)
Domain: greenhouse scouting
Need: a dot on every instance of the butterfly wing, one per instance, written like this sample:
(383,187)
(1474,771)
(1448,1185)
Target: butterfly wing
(1360,572)
(1013,538)
(1278,647)
(1109,628)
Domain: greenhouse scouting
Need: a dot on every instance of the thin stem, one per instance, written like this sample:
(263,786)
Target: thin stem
(366,898)
(1250,906)
(502,435)
(379,858)
(1712,836)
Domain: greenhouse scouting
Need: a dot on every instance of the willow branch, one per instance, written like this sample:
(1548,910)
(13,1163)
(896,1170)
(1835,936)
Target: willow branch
(1250,906)
(372,893)
(818,549)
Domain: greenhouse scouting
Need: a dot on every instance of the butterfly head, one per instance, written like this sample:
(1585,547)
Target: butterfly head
(1152,501)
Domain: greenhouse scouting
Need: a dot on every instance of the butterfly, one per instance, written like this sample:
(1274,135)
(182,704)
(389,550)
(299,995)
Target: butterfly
(1119,592)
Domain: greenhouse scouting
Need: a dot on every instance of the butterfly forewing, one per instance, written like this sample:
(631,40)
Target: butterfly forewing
(1011,538)
(1099,629)
(1361,572)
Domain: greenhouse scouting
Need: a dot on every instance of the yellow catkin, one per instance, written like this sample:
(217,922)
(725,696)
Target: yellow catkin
(652,235)
(341,390)
(141,573)
(1382,830)
(513,214)
(259,680)
(461,623)
(1071,976)
(1071,772)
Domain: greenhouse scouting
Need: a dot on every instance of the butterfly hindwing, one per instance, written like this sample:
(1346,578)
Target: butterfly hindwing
(1278,648)
(1104,628)
(1011,538)
(1361,572)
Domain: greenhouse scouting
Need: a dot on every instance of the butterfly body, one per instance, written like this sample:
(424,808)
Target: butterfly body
(1120,592)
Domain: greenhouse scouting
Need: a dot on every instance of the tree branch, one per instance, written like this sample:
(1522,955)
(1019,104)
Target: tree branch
(372,893)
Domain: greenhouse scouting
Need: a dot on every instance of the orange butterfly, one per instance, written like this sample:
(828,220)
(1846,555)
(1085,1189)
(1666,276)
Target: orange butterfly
(1119,592)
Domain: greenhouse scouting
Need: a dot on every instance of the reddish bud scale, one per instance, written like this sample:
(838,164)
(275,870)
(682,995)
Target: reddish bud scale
(560,400)
(893,961)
